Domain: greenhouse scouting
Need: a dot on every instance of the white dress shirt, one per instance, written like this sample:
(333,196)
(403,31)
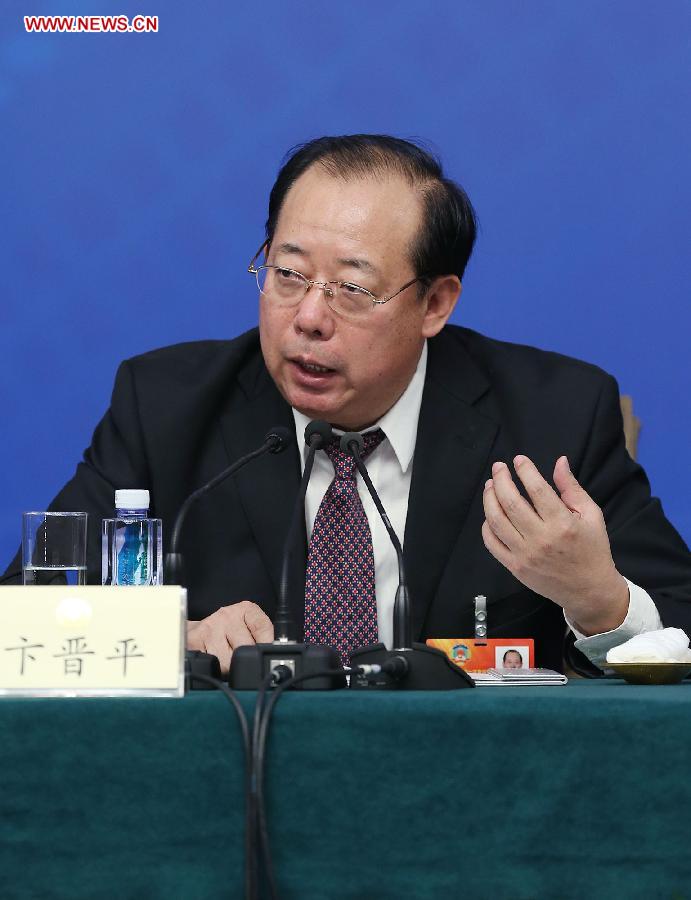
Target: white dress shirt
(390,467)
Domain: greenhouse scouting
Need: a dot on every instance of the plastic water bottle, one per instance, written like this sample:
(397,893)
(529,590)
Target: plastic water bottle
(132,549)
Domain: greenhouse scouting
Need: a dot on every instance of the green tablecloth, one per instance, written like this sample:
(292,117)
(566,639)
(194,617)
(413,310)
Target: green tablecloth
(580,791)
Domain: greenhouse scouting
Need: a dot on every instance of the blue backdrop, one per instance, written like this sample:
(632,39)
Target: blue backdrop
(135,171)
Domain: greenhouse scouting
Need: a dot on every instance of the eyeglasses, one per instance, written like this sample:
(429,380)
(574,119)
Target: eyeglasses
(286,287)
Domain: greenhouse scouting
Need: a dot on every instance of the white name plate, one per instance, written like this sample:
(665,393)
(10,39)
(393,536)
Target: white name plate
(62,641)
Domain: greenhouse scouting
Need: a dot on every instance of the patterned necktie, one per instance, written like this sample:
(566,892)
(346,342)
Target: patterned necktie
(340,602)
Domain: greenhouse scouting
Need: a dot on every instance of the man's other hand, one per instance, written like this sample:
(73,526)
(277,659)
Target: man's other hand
(556,544)
(228,628)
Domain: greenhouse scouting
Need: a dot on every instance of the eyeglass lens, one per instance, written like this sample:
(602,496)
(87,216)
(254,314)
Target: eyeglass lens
(287,288)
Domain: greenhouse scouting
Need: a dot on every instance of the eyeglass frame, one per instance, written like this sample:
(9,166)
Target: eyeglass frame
(252,270)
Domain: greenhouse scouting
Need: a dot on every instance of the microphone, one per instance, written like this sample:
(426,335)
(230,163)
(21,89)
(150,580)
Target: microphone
(352,443)
(276,441)
(409,666)
(317,434)
(251,664)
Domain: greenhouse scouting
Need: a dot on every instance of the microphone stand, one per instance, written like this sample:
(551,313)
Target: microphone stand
(250,665)
(410,666)
(200,666)
(174,565)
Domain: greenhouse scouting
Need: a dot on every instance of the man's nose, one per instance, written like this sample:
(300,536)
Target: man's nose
(313,315)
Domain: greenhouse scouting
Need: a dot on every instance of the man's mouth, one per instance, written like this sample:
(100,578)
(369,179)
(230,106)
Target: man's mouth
(310,374)
(311,366)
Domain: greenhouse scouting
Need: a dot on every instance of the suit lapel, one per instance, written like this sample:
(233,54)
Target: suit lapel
(452,448)
(268,487)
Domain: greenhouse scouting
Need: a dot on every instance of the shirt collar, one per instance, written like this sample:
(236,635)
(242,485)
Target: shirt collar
(399,424)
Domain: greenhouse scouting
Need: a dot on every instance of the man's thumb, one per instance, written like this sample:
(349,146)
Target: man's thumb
(572,494)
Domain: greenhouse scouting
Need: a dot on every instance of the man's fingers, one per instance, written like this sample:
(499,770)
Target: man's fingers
(217,644)
(497,519)
(572,494)
(542,495)
(238,634)
(519,512)
(260,625)
(498,550)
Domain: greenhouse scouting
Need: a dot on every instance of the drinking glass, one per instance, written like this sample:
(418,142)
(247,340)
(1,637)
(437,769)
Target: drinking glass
(54,548)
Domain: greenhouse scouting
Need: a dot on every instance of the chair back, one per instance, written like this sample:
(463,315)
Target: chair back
(632,425)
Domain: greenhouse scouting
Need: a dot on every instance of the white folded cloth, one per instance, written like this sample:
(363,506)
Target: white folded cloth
(666,645)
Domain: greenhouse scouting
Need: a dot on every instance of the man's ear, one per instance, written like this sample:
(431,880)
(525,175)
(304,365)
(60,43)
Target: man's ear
(440,301)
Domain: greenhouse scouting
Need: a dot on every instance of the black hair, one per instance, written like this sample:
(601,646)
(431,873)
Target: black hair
(512,650)
(449,227)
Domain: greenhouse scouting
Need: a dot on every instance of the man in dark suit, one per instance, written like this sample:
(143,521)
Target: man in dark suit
(362,266)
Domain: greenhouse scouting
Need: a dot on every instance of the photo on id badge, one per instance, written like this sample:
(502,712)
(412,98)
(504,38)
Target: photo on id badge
(511,657)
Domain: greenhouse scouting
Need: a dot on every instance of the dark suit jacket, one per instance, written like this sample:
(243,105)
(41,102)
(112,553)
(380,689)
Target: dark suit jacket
(181,414)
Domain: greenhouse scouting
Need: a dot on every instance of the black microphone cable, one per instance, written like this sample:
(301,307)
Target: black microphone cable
(10,575)
(282,679)
(229,694)
(261,729)
(252,810)
(277,675)
(256,828)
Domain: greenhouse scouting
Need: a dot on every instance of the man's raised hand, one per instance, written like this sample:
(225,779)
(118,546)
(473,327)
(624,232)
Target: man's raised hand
(556,544)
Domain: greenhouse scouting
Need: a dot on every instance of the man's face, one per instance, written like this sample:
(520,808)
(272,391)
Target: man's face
(513,660)
(360,231)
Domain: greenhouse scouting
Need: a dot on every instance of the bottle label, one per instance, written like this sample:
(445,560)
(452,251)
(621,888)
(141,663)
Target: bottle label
(132,552)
